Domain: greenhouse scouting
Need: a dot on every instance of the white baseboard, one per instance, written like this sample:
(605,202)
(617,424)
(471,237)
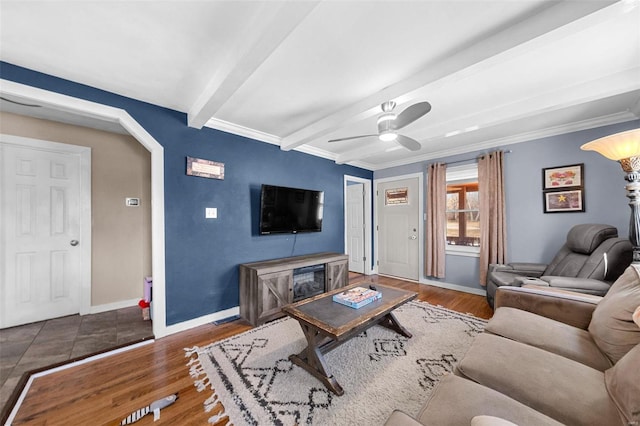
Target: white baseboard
(113,306)
(367,272)
(196,322)
(456,287)
(400,278)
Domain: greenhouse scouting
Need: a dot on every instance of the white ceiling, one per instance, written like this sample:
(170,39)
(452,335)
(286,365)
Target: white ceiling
(300,73)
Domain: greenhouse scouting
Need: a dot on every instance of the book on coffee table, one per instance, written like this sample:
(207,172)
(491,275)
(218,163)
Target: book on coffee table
(357,297)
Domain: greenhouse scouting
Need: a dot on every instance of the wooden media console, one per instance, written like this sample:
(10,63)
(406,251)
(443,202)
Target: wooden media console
(267,286)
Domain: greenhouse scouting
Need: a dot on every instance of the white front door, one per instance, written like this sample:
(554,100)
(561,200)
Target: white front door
(41,217)
(355,227)
(398,212)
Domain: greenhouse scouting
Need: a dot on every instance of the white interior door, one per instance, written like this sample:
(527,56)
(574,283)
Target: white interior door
(355,227)
(42,222)
(398,212)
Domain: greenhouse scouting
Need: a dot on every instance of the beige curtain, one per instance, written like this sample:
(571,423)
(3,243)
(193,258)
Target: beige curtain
(436,220)
(493,229)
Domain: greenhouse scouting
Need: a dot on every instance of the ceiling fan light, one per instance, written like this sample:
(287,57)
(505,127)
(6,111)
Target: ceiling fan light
(388,136)
(387,116)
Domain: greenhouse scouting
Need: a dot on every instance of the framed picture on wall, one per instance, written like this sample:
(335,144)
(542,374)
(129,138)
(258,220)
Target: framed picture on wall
(564,201)
(205,168)
(570,176)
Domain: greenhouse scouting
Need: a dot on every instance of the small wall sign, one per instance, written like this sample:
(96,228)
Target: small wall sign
(396,196)
(205,168)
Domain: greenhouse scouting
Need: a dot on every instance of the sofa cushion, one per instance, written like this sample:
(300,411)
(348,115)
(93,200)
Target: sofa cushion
(501,278)
(400,418)
(558,387)
(577,284)
(490,421)
(566,263)
(456,401)
(612,326)
(550,335)
(586,237)
(623,384)
(608,261)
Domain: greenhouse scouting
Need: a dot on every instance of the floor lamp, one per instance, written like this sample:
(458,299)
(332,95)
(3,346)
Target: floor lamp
(624,147)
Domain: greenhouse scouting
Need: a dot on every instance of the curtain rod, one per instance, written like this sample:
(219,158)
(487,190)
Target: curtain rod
(474,158)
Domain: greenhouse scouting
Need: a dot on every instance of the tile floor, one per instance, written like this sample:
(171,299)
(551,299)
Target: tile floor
(31,346)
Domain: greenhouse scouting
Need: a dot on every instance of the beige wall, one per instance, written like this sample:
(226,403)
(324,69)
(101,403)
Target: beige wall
(121,236)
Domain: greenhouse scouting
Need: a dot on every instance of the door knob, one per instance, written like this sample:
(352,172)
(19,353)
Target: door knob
(74,242)
(413,237)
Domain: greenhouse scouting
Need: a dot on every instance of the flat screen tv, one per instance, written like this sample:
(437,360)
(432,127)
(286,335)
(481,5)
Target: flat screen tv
(290,210)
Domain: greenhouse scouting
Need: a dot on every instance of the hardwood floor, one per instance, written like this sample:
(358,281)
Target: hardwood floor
(450,299)
(105,391)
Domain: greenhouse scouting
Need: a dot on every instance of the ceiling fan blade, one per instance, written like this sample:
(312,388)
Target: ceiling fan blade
(411,114)
(410,144)
(351,137)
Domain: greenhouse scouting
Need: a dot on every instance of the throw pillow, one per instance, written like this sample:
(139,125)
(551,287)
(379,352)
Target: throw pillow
(612,326)
(490,421)
(623,382)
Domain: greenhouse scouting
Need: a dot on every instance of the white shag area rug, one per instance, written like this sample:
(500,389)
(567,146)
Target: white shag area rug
(379,370)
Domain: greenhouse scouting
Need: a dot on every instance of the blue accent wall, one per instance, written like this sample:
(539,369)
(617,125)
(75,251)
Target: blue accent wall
(533,236)
(202,255)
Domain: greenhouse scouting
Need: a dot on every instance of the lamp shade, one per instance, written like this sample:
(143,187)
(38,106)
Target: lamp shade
(617,146)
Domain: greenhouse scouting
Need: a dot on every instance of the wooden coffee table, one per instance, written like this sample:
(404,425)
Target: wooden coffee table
(327,324)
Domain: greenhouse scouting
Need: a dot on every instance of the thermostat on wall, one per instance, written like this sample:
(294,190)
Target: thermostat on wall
(132,202)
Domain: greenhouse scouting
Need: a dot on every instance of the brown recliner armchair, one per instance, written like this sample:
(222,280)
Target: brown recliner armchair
(589,262)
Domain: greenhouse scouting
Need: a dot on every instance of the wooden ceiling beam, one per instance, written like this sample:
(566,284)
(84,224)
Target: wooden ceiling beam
(271,26)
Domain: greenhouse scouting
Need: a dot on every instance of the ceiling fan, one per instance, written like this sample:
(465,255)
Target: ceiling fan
(389,122)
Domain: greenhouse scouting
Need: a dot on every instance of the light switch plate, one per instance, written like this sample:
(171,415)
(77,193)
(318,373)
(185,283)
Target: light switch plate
(211,213)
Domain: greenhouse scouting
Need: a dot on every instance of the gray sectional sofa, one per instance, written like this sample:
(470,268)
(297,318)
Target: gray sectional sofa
(547,358)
